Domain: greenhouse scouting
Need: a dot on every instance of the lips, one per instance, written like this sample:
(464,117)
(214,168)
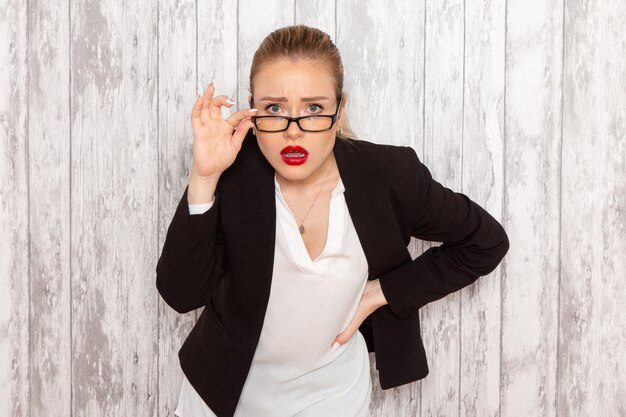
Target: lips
(294,155)
(295,151)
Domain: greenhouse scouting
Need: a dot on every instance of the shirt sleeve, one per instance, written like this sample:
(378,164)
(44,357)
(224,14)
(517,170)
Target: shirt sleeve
(473,244)
(200,208)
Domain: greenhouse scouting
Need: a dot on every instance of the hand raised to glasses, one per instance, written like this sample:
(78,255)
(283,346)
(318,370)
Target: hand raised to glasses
(216,142)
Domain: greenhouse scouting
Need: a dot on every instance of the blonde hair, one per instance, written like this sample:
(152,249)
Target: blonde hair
(302,42)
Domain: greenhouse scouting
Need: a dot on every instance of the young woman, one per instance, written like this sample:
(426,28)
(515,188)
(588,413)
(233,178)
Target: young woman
(293,236)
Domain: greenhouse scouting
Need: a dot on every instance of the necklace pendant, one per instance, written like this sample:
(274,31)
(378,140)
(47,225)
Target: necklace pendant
(301,228)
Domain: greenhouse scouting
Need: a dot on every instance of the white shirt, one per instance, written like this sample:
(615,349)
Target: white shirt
(293,371)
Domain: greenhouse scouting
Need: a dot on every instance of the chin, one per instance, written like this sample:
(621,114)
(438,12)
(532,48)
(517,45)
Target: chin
(293,173)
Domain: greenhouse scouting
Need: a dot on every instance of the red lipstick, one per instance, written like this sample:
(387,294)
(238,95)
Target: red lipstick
(294,155)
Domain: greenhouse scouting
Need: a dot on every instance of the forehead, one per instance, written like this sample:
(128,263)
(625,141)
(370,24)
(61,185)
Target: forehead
(294,79)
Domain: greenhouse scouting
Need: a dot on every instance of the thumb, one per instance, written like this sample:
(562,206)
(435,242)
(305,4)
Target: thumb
(240,133)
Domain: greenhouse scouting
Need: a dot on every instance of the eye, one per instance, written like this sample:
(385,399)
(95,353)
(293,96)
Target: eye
(316,105)
(270,105)
(273,108)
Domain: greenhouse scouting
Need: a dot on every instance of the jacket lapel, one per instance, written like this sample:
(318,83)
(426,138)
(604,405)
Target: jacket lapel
(370,207)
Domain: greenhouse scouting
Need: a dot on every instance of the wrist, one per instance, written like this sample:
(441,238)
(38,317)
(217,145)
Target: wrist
(377,293)
(211,178)
(201,188)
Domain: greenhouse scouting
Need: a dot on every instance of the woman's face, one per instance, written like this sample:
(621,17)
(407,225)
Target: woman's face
(297,88)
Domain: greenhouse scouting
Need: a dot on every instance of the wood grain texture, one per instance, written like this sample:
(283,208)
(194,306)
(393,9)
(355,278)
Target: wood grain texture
(113,208)
(520,105)
(49,164)
(482,174)
(530,283)
(15,335)
(592,322)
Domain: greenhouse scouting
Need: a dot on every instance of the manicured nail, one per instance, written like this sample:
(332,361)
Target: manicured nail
(253,110)
(335,346)
(229,101)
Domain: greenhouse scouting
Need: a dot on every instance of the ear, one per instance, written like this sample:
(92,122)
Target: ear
(342,110)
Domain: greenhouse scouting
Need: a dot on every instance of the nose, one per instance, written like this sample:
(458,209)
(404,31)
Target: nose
(293,130)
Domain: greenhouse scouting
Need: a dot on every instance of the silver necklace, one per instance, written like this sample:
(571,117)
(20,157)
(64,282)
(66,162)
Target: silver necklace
(301,228)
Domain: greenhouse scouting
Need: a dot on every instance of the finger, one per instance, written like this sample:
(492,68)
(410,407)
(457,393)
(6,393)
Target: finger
(240,133)
(205,114)
(344,336)
(341,337)
(236,118)
(335,346)
(352,327)
(215,108)
(208,93)
(196,122)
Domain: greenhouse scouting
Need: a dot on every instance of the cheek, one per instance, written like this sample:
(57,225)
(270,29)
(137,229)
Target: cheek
(327,144)
(270,148)
(322,144)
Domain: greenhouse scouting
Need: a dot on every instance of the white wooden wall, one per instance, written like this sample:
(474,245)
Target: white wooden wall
(520,104)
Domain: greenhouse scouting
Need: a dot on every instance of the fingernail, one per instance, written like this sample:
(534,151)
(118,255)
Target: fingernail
(229,101)
(211,83)
(253,110)
(335,346)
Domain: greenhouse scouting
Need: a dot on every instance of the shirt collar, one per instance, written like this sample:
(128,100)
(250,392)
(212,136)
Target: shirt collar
(339,188)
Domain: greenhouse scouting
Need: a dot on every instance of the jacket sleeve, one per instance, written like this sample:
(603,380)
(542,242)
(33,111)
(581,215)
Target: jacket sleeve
(473,244)
(190,263)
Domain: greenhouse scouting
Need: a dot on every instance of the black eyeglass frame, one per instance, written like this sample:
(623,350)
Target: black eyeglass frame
(333,117)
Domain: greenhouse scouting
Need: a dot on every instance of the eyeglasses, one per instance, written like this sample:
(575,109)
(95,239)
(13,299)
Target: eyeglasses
(314,123)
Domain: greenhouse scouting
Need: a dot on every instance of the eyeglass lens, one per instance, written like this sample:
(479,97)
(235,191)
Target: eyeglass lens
(280,123)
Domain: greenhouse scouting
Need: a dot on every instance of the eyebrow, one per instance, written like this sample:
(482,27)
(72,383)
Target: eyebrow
(267,98)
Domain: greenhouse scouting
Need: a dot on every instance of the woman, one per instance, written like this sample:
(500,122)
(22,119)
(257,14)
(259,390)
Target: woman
(299,281)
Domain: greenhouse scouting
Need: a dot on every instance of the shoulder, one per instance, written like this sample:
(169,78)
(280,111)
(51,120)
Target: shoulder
(367,148)
(379,157)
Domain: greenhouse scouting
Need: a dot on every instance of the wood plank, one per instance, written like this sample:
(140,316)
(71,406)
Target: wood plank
(114,208)
(593,238)
(15,258)
(49,189)
(482,181)
(531,269)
